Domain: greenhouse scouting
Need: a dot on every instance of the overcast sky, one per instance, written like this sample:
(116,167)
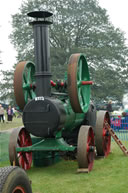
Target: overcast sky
(117,10)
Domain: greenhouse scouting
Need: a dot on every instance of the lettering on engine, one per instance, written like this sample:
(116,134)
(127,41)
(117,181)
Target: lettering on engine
(39,98)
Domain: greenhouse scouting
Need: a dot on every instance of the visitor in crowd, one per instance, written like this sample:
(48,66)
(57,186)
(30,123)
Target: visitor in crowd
(9,113)
(109,106)
(14,112)
(1,113)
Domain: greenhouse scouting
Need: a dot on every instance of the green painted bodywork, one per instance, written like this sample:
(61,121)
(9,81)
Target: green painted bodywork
(45,158)
(82,74)
(72,119)
(47,144)
(28,81)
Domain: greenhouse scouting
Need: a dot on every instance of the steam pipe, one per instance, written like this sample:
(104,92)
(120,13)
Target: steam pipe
(42,53)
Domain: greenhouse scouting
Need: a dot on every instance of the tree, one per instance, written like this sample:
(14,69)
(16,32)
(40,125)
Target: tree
(79,26)
(6,87)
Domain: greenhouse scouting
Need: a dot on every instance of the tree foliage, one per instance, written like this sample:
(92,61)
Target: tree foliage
(6,87)
(78,26)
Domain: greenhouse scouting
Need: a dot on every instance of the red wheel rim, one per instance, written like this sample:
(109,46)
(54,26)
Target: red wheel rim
(25,158)
(90,149)
(19,189)
(106,136)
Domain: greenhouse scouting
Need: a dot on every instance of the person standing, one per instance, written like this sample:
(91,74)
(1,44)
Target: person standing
(9,113)
(1,113)
(109,106)
(14,112)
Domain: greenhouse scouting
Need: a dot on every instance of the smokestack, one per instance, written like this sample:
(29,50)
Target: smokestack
(42,52)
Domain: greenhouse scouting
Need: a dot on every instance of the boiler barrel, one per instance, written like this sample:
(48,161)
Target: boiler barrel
(43,117)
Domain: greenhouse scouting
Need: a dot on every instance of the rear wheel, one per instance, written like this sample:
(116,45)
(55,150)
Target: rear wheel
(14,180)
(86,149)
(102,136)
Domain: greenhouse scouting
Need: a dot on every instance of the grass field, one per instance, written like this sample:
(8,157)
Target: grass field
(8,125)
(5,129)
(109,175)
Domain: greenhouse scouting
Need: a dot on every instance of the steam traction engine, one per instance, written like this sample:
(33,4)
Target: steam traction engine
(59,122)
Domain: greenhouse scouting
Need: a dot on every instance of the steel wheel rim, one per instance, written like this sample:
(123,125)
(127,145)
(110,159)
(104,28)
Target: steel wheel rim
(19,189)
(102,136)
(86,149)
(77,73)
(24,82)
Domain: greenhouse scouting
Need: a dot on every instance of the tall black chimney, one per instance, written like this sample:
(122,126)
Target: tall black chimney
(42,52)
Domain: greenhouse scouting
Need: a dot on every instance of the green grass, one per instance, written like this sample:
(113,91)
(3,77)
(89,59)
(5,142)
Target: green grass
(109,175)
(4,139)
(4,136)
(16,122)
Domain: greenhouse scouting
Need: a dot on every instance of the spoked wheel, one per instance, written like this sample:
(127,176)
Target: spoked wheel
(79,83)
(20,138)
(24,83)
(14,180)
(86,149)
(102,136)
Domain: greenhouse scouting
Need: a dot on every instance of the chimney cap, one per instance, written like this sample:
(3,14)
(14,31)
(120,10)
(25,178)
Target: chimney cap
(40,14)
